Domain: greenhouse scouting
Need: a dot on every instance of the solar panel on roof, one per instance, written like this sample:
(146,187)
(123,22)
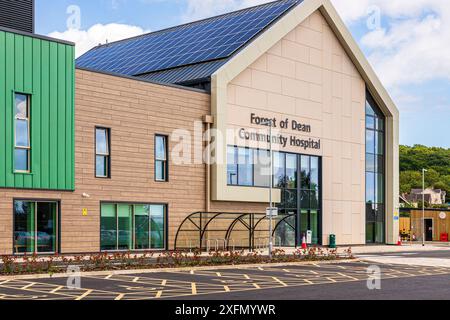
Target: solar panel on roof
(206,40)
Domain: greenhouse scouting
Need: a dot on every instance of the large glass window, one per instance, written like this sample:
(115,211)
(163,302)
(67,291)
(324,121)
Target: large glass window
(309,197)
(102,153)
(22,144)
(161,154)
(35,227)
(262,168)
(375,172)
(245,167)
(132,227)
(232,166)
(279,170)
(298,177)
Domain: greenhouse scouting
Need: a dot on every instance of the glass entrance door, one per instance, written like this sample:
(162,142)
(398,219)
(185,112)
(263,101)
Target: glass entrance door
(35,227)
(298,177)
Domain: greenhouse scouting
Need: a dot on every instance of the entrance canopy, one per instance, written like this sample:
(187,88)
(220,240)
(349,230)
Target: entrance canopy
(225,231)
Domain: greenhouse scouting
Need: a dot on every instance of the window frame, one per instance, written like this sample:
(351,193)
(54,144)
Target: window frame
(57,202)
(28,120)
(134,204)
(108,155)
(372,208)
(165,161)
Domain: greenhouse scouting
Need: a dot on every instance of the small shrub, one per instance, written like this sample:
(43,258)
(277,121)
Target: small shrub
(126,260)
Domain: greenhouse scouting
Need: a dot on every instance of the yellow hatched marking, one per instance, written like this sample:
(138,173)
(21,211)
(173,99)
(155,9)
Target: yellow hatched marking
(56,289)
(136,279)
(109,276)
(256,286)
(192,272)
(332,280)
(347,276)
(120,296)
(158,294)
(286,270)
(279,281)
(246,277)
(194,288)
(28,286)
(6,281)
(261,269)
(227,289)
(163,283)
(218,274)
(84,295)
(307,281)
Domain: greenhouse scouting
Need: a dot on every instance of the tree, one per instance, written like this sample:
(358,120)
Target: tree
(414,159)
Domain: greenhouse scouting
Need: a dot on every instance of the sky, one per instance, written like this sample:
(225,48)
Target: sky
(406,41)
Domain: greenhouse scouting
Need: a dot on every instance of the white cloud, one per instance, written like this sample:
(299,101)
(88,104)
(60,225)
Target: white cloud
(413,46)
(97,34)
(199,9)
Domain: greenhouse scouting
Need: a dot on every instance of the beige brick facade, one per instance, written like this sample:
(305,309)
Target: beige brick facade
(308,76)
(134,111)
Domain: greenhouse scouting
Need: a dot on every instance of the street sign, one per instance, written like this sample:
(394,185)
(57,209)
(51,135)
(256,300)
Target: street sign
(85,212)
(272,212)
(309,235)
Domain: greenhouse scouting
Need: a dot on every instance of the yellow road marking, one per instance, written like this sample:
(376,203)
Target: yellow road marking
(227,289)
(6,281)
(218,274)
(136,279)
(256,286)
(261,269)
(109,276)
(279,281)
(286,270)
(120,297)
(56,289)
(194,288)
(163,283)
(84,295)
(28,286)
(158,294)
(246,277)
(332,280)
(347,276)
(192,272)
(307,281)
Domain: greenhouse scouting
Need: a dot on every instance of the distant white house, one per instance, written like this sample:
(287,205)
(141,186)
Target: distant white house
(432,196)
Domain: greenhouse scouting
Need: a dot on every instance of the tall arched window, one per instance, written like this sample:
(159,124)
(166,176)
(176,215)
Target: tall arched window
(375,172)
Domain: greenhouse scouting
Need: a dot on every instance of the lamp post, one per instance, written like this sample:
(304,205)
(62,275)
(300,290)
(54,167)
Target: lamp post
(423,206)
(269,123)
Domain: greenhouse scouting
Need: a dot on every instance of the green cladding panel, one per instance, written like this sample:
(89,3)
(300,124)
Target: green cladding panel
(44,70)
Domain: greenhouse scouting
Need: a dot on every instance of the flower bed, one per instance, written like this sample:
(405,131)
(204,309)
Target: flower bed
(19,265)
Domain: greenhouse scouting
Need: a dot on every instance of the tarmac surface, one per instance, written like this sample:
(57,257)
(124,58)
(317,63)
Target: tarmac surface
(351,280)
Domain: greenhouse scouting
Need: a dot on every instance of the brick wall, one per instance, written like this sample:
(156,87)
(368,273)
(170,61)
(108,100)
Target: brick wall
(134,111)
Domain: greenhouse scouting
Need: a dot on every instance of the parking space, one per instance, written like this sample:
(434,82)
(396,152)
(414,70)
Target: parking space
(203,283)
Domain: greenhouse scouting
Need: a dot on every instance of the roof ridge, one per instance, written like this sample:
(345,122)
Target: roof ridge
(192,23)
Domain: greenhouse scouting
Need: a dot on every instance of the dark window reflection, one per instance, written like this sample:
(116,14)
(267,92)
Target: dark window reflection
(375,180)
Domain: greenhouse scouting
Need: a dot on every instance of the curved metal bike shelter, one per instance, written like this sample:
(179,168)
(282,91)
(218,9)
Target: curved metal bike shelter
(224,230)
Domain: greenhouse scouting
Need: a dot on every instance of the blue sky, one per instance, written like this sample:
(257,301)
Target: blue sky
(406,41)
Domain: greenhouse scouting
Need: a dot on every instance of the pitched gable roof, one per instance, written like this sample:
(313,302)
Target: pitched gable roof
(187,52)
